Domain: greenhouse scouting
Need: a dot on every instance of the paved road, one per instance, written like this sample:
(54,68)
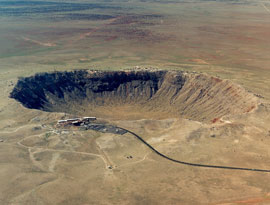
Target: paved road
(194,164)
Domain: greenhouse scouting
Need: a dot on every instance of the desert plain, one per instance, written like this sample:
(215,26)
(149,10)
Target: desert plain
(221,46)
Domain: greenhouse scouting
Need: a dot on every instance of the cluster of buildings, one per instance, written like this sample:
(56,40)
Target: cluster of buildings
(76,121)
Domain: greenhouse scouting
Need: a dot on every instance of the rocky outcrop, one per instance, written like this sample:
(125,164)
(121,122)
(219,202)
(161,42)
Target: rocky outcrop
(189,95)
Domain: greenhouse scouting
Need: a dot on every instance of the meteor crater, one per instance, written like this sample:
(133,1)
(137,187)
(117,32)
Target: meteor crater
(134,94)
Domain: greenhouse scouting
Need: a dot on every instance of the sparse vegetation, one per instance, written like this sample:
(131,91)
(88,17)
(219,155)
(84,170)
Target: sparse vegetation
(46,136)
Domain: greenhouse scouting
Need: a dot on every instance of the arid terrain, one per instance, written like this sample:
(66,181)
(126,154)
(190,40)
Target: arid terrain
(191,78)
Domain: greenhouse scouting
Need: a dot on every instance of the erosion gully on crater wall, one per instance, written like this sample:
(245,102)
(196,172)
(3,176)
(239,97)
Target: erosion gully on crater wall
(109,93)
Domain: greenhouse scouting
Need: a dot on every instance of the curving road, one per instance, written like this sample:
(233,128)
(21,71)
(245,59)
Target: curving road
(189,163)
(193,164)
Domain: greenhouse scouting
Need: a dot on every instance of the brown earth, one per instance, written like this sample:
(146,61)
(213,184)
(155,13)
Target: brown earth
(40,164)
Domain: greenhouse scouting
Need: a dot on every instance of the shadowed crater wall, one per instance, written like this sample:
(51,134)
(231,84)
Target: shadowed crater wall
(134,94)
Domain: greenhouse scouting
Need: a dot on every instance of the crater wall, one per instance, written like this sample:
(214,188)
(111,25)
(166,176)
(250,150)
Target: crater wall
(119,93)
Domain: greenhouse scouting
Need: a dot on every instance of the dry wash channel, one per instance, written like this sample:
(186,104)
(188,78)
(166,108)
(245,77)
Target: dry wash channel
(134,94)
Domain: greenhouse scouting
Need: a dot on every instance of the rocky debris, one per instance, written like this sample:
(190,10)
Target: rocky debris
(258,95)
(36,128)
(11,83)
